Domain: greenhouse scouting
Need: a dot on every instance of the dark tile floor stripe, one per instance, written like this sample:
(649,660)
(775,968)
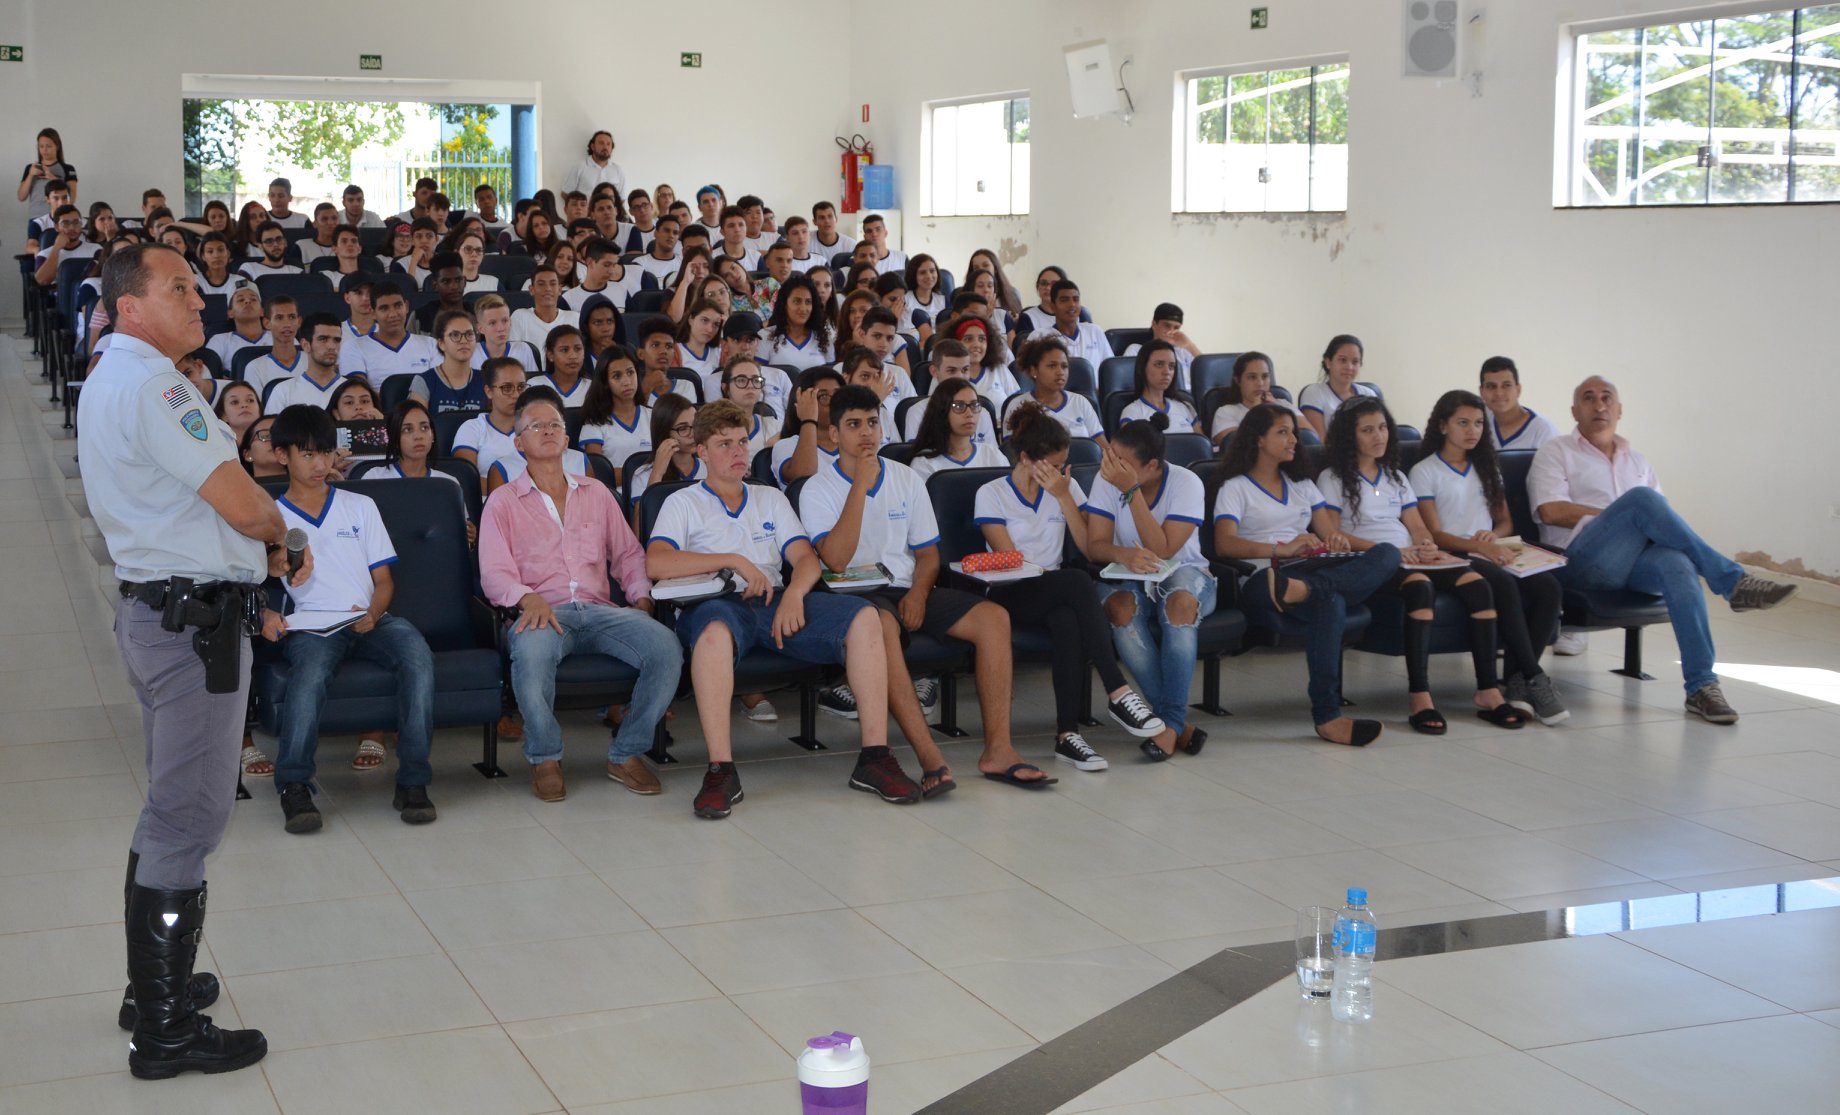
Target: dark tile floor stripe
(1093,1052)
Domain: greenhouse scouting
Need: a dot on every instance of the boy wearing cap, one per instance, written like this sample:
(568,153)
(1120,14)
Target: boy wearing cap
(280,193)
(741,338)
(1166,325)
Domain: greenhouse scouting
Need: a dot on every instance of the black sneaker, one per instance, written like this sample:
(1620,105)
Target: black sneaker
(721,791)
(1071,748)
(926,690)
(298,808)
(878,772)
(1754,594)
(838,701)
(1134,716)
(412,802)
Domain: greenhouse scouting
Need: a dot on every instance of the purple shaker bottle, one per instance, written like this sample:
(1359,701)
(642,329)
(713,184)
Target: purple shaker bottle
(834,1075)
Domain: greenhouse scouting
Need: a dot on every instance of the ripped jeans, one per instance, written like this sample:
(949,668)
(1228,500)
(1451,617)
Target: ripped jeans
(1159,653)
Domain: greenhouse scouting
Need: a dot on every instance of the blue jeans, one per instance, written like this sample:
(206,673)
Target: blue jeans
(623,633)
(1159,652)
(1322,618)
(1639,543)
(394,644)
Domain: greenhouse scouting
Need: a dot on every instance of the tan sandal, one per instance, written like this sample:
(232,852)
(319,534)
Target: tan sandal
(256,764)
(370,754)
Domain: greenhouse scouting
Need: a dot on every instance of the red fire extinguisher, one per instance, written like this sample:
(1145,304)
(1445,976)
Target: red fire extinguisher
(857,152)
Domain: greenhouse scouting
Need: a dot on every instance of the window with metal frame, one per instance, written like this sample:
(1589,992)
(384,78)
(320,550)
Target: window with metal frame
(1262,140)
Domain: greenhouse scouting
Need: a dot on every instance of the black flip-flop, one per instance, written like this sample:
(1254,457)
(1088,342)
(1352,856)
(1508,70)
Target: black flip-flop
(943,786)
(1503,716)
(1009,776)
(1197,739)
(1277,584)
(1429,722)
(1363,733)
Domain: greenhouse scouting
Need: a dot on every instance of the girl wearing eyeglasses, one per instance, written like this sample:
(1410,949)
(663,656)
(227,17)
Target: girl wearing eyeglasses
(948,431)
(743,385)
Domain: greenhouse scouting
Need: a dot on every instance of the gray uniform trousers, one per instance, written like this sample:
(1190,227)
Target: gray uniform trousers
(194,743)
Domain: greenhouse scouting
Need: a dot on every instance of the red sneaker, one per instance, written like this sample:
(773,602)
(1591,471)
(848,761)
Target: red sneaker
(881,774)
(721,790)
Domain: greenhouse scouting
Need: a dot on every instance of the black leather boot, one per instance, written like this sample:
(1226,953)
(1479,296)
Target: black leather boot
(203,985)
(170,1036)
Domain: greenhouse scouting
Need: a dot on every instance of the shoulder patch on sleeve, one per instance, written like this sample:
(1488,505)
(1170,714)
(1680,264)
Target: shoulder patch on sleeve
(195,425)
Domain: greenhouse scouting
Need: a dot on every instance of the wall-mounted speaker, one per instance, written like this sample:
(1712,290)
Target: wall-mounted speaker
(1430,38)
(1092,79)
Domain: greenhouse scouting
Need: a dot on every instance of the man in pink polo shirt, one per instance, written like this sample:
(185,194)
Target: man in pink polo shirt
(545,542)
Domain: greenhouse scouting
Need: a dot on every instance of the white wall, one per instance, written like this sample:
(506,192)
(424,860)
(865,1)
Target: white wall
(1451,250)
(106,74)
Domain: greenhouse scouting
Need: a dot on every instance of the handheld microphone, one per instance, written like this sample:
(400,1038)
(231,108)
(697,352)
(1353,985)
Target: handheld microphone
(296,543)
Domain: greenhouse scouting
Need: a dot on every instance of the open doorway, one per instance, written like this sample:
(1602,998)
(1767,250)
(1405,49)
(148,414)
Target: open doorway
(234,146)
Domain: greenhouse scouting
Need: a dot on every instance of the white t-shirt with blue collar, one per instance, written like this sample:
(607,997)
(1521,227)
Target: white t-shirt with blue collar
(897,517)
(348,540)
(1038,529)
(1385,496)
(1181,498)
(1266,518)
(695,520)
(1182,417)
(1076,413)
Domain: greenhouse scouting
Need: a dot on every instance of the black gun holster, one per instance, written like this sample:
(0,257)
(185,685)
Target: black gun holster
(223,613)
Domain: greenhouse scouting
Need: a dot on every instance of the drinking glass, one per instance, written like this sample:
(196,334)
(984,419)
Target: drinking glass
(1315,951)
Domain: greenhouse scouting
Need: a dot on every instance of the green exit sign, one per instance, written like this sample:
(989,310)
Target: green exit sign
(1261,18)
(690,60)
(370,61)
(12,54)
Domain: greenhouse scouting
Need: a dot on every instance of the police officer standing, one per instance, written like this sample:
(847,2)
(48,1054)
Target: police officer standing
(186,527)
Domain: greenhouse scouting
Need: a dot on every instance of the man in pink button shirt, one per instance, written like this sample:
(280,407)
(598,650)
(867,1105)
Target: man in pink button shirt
(545,542)
(1596,495)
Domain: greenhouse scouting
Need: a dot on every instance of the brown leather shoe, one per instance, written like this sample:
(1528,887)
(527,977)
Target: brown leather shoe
(546,781)
(635,776)
(510,730)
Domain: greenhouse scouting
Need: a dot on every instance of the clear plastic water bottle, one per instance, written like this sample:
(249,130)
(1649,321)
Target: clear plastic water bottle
(1356,934)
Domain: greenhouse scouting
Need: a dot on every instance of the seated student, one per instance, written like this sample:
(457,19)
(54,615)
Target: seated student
(390,349)
(1514,426)
(58,195)
(546,542)
(320,244)
(1250,387)
(875,234)
(1084,339)
(447,281)
(878,334)
(1465,507)
(352,556)
(214,273)
(988,303)
(862,274)
(532,324)
(741,340)
(863,510)
(644,222)
(952,360)
(826,241)
(424,237)
(952,430)
(724,523)
(797,234)
(238,406)
(508,466)
(1034,510)
(1154,385)
(439,212)
(824,281)
(273,242)
(891,293)
(674,448)
(861,369)
(1142,512)
(347,258)
(281,326)
(660,260)
(1266,510)
(602,327)
(732,240)
(1040,318)
(607,217)
(657,356)
(197,373)
(455,384)
(805,443)
(494,323)
(698,337)
(1341,363)
(353,211)
(606,276)
(745,293)
(741,384)
(567,354)
(280,195)
(925,294)
(312,385)
(1166,325)
(398,244)
(361,316)
(470,244)
(776,261)
(353,400)
(568,271)
(754,211)
(1368,500)
(246,330)
(613,423)
(488,436)
(1045,361)
(1599,498)
(539,239)
(256,449)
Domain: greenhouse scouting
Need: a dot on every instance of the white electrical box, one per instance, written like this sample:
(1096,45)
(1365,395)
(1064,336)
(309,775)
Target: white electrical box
(1092,79)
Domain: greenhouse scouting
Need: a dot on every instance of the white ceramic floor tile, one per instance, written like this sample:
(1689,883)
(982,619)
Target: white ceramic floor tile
(650,1051)
(50,963)
(791,951)
(523,911)
(1165,905)
(1151,1081)
(580,975)
(679,839)
(32,762)
(1500,867)
(311,934)
(87,896)
(1807,829)
(1323,880)
(1733,1066)
(34,849)
(1667,847)
(721,890)
(1381,820)
(1049,995)
(911,1085)
(1786,958)
(1002,925)
(1212,1104)
(51,1039)
(1814,775)
(306,1007)
(118,1093)
(917,1016)
(437,859)
(1241,833)
(456,1072)
(305,872)
(1514,1083)
(1567,990)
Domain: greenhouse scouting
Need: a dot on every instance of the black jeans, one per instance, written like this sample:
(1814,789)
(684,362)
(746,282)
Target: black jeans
(1528,611)
(1064,602)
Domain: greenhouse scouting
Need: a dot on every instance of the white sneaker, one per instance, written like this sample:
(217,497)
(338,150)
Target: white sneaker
(1571,643)
(1075,750)
(764,712)
(927,690)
